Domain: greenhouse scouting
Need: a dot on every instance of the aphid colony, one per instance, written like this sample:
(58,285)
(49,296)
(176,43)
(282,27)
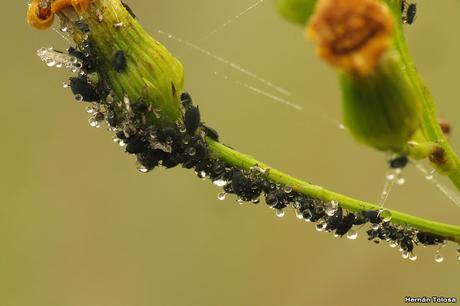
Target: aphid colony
(185,144)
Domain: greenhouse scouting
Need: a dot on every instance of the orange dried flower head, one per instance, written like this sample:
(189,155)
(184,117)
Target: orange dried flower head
(352,34)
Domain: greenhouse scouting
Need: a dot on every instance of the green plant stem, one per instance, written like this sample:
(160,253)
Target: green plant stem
(430,123)
(245,162)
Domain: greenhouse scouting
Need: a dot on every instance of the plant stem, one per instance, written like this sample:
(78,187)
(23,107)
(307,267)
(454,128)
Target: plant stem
(245,162)
(430,124)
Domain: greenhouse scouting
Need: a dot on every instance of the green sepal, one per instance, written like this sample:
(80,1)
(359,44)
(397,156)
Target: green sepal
(296,11)
(381,109)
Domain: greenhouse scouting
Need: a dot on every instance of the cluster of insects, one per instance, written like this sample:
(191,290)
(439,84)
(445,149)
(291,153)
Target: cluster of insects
(185,143)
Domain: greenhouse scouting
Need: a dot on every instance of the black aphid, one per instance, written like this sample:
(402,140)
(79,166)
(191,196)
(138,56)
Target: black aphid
(141,107)
(136,144)
(407,244)
(112,118)
(192,119)
(186,99)
(81,87)
(372,216)
(399,162)
(121,135)
(428,239)
(241,185)
(130,11)
(119,61)
(334,221)
(346,224)
(150,158)
(210,132)
(82,26)
(411,13)
(87,63)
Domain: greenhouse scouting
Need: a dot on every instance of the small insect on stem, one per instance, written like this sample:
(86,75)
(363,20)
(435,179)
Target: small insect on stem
(445,126)
(192,119)
(398,162)
(84,90)
(410,14)
(119,63)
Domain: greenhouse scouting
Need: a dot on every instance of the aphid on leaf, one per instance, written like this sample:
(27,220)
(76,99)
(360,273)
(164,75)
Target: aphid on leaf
(136,144)
(87,63)
(398,162)
(82,88)
(119,63)
(446,127)
(210,132)
(346,224)
(192,119)
(372,216)
(186,99)
(407,244)
(240,183)
(411,13)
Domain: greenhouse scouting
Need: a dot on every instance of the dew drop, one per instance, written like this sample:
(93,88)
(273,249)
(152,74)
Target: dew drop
(299,215)
(438,258)
(413,257)
(287,189)
(220,183)
(393,244)
(390,177)
(458,257)
(79,98)
(94,123)
(65,85)
(142,169)
(405,254)
(320,226)
(429,176)
(401,181)
(279,213)
(240,201)
(331,208)
(256,201)
(375,226)
(352,234)
(221,196)
(385,215)
(50,62)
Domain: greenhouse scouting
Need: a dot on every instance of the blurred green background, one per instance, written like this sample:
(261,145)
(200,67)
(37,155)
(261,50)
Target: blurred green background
(80,226)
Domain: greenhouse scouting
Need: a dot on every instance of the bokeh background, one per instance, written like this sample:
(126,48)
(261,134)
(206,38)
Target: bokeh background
(80,226)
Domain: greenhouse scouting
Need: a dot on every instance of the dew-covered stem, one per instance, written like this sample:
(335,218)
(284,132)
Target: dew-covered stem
(142,86)
(245,162)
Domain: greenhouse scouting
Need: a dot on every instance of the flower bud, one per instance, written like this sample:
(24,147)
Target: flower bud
(381,109)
